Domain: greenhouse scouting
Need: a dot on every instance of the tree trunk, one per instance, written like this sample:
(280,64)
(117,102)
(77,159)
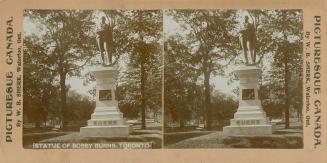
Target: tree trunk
(142,95)
(286,85)
(207,100)
(63,98)
(37,124)
(181,123)
(155,116)
(287,76)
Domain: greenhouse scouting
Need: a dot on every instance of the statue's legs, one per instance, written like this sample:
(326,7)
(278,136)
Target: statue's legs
(100,46)
(246,56)
(244,47)
(253,56)
(108,53)
(251,47)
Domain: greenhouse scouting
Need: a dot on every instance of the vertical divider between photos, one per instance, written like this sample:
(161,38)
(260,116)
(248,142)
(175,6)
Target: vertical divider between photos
(163,81)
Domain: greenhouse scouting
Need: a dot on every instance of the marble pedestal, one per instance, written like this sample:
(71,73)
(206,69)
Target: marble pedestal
(106,120)
(250,118)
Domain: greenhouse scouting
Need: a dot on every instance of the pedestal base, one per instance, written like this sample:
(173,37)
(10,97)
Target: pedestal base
(106,131)
(106,120)
(250,118)
(248,130)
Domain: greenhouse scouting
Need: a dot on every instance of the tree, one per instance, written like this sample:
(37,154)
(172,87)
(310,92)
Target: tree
(67,40)
(39,82)
(223,106)
(211,44)
(143,30)
(182,95)
(79,107)
(286,68)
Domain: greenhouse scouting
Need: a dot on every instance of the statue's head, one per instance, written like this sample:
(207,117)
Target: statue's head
(103,19)
(246,18)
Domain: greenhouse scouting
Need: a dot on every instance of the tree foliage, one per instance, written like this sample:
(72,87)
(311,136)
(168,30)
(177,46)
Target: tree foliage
(182,94)
(284,79)
(210,42)
(141,82)
(66,43)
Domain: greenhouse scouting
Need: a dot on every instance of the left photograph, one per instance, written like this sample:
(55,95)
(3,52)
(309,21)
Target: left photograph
(92,79)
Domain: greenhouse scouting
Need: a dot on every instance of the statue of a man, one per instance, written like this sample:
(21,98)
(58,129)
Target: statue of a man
(105,40)
(247,40)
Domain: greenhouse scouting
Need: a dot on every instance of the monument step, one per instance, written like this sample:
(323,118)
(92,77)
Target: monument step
(105,107)
(106,115)
(248,130)
(256,114)
(249,108)
(249,121)
(101,112)
(244,103)
(117,126)
(106,104)
(106,122)
(104,119)
(250,111)
(106,131)
(107,110)
(252,118)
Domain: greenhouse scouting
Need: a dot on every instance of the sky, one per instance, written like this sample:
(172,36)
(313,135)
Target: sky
(171,27)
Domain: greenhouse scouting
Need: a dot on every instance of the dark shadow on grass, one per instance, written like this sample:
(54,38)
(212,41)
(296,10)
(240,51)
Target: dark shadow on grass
(268,142)
(172,138)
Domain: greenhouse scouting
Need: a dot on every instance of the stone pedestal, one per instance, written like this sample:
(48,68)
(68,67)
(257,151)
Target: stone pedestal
(106,120)
(250,118)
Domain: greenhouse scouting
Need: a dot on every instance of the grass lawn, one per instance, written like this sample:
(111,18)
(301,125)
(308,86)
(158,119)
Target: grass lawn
(152,134)
(199,139)
(172,138)
(282,139)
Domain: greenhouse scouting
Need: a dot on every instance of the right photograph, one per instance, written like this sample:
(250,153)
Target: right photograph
(233,79)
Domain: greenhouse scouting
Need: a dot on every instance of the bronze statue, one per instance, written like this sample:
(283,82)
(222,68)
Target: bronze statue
(248,40)
(105,41)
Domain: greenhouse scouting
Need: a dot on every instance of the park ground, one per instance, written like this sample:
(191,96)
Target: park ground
(291,138)
(152,135)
